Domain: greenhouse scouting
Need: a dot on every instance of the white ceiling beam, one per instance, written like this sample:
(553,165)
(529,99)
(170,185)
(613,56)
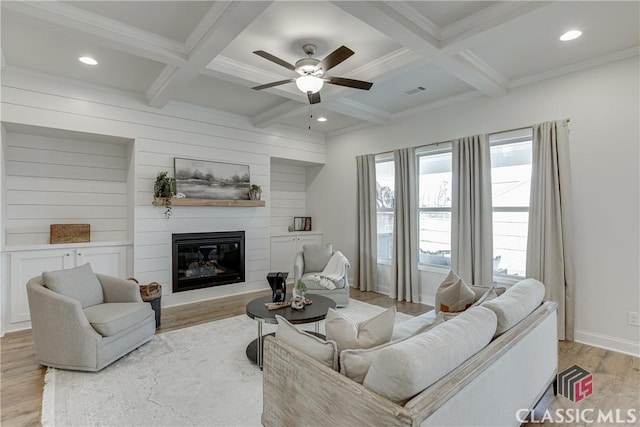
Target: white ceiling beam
(476,73)
(228,21)
(390,19)
(275,115)
(104,31)
(359,111)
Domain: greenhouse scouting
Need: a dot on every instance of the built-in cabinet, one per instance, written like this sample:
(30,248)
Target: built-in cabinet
(26,263)
(285,248)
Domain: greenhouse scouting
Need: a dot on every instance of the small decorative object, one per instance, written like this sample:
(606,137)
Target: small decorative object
(302,223)
(300,289)
(199,179)
(278,283)
(290,228)
(163,190)
(297,302)
(254,192)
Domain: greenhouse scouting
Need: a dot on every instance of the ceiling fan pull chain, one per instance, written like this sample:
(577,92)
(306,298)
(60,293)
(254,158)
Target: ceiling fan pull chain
(310,116)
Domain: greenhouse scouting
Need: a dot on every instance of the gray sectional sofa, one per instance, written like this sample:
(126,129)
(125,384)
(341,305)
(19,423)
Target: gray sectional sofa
(492,387)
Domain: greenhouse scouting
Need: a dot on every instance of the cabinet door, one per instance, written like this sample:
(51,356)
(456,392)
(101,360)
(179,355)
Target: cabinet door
(110,260)
(26,265)
(283,254)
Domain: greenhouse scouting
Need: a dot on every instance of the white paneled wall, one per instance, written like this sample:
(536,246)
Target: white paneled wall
(288,195)
(56,181)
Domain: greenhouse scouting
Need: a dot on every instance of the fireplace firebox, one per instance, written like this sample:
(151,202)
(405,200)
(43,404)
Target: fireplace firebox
(202,260)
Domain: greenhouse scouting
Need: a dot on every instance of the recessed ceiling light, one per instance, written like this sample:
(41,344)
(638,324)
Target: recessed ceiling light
(570,35)
(88,60)
(322,119)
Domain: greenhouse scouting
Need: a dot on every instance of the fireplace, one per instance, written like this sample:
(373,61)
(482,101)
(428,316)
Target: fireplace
(202,260)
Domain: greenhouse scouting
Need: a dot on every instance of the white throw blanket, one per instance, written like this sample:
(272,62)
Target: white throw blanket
(335,270)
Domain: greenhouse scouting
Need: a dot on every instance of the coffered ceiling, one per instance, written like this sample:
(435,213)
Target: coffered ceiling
(418,54)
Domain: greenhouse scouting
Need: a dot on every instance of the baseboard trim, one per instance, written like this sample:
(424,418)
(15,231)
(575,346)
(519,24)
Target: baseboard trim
(631,348)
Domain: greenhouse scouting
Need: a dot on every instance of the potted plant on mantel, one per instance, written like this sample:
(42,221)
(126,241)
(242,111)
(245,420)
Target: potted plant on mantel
(254,192)
(163,190)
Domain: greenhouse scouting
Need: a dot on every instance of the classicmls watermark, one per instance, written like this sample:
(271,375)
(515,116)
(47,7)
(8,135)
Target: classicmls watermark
(576,384)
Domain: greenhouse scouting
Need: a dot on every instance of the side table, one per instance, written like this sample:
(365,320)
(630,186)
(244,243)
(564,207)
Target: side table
(256,310)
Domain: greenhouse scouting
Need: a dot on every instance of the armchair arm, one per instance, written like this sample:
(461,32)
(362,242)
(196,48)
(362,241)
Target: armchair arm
(298,267)
(119,290)
(61,332)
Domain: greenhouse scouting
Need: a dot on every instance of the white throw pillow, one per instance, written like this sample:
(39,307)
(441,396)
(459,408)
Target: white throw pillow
(325,352)
(453,295)
(355,363)
(516,303)
(79,283)
(369,333)
(405,369)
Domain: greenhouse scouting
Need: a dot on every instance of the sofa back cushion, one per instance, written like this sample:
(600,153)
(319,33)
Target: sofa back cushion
(516,303)
(406,368)
(355,364)
(79,283)
(366,334)
(324,351)
(316,257)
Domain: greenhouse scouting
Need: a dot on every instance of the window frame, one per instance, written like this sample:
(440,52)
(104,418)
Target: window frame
(385,158)
(499,139)
(425,151)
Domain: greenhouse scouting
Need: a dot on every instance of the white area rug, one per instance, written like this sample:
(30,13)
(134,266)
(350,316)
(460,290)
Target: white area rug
(197,376)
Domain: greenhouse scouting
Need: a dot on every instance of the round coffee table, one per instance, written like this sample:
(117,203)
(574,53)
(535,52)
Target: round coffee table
(310,313)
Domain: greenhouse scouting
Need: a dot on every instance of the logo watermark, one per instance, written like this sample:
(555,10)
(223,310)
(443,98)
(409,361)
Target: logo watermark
(575,383)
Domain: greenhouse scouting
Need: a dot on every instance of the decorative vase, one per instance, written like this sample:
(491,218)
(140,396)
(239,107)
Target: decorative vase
(255,192)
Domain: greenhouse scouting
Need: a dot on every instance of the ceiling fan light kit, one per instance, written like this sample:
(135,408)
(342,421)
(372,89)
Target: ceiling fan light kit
(312,72)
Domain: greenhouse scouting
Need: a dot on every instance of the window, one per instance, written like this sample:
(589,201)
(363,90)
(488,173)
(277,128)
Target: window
(385,184)
(434,206)
(510,187)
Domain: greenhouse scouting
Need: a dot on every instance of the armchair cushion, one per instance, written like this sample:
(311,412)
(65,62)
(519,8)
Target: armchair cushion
(79,283)
(316,257)
(110,318)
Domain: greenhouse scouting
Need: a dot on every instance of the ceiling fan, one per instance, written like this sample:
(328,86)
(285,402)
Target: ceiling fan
(312,72)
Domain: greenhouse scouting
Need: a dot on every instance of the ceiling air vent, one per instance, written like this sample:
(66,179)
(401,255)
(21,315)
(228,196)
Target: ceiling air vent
(416,90)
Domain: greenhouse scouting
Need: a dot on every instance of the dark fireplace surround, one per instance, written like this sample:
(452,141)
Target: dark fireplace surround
(203,260)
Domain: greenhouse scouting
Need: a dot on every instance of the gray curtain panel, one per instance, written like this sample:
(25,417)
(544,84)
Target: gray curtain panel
(404,263)
(367,244)
(550,239)
(471,217)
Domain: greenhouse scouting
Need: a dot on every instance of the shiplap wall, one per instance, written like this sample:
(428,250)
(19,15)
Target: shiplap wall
(288,195)
(58,181)
(177,130)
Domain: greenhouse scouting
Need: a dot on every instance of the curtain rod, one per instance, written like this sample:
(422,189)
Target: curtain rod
(567,120)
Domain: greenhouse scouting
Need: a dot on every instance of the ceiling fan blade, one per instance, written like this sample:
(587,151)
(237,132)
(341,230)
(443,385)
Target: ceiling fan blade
(275,59)
(356,84)
(334,58)
(314,98)
(272,84)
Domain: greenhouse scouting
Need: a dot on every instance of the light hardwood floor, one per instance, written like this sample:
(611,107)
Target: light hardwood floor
(616,376)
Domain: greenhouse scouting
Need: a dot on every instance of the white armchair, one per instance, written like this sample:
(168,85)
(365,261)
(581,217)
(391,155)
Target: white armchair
(85,321)
(312,260)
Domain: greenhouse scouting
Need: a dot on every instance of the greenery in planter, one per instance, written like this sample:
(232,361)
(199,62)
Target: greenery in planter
(164,189)
(254,192)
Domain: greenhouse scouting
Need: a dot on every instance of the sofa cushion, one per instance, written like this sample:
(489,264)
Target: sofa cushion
(516,303)
(79,283)
(453,294)
(366,334)
(414,325)
(355,363)
(316,257)
(324,351)
(110,318)
(404,369)
(312,285)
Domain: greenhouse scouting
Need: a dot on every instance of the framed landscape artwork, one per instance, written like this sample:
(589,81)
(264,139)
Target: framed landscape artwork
(199,179)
